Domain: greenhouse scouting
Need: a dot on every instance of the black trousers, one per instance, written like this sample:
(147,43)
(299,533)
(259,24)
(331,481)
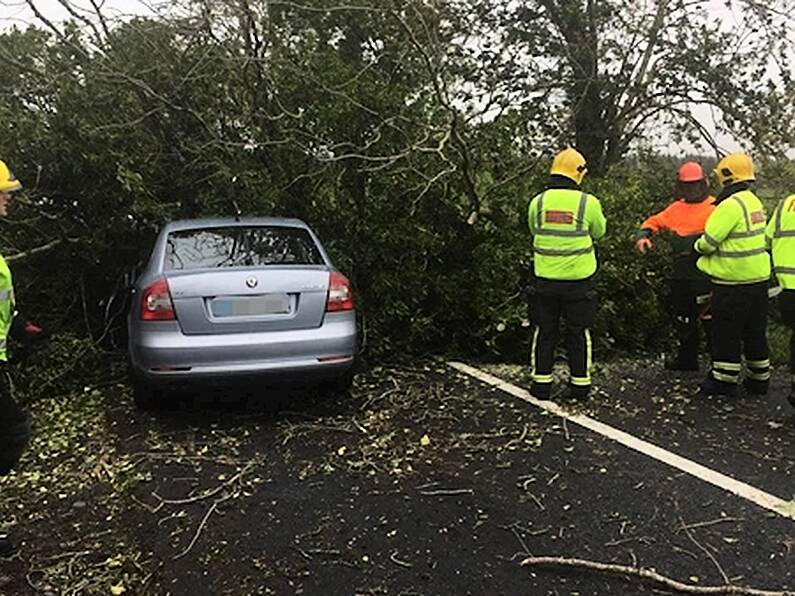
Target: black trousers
(786,303)
(14,425)
(739,328)
(687,316)
(574,302)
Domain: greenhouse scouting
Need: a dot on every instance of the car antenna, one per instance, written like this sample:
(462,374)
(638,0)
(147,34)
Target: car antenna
(237,210)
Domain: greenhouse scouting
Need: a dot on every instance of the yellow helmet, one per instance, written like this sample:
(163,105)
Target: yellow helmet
(736,167)
(569,163)
(8,181)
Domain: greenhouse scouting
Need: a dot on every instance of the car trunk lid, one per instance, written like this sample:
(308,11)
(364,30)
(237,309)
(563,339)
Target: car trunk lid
(249,300)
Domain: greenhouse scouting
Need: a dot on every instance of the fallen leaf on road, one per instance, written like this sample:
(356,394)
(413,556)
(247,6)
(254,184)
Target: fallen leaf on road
(113,562)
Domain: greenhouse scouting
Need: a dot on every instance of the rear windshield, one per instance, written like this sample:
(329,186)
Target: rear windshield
(240,247)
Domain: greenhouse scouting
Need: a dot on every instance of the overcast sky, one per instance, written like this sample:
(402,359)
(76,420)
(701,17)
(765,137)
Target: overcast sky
(17,12)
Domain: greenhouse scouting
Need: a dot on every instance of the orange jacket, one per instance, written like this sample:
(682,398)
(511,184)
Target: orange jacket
(681,218)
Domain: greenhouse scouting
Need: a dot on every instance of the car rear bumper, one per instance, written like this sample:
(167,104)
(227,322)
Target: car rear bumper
(161,355)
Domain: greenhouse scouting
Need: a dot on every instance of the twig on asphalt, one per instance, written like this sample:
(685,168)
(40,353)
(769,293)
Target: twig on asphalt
(649,575)
(381,397)
(203,496)
(679,549)
(396,561)
(151,574)
(634,559)
(324,551)
(498,435)
(705,551)
(704,524)
(302,552)
(512,528)
(73,554)
(321,427)
(625,540)
(203,523)
(447,493)
(517,441)
(146,506)
(223,460)
(536,501)
(359,426)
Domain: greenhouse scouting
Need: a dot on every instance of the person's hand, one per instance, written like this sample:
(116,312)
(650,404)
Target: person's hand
(643,244)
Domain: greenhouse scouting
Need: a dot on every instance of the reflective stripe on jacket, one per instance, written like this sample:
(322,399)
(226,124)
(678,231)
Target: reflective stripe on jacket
(6,306)
(733,243)
(564,224)
(781,238)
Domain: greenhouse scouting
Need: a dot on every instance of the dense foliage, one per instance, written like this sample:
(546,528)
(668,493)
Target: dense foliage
(388,129)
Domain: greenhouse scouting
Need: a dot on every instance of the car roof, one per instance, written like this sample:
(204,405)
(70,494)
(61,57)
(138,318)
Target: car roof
(226,222)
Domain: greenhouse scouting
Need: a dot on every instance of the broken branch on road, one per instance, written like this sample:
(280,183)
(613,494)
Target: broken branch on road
(648,575)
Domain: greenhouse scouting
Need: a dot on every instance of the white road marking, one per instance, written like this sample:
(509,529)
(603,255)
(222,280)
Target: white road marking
(727,483)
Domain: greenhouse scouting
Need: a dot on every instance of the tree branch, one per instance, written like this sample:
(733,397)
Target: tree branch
(646,574)
(34,251)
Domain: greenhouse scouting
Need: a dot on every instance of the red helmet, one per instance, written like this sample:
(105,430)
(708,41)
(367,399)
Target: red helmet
(690,171)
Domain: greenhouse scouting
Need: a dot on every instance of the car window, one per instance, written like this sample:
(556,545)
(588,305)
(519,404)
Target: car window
(240,247)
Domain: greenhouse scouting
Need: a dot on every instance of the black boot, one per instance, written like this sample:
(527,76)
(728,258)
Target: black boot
(577,392)
(755,387)
(791,397)
(6,546)
(711,386)
(540,390)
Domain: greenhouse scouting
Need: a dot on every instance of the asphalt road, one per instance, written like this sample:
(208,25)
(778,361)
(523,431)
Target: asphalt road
(422,481)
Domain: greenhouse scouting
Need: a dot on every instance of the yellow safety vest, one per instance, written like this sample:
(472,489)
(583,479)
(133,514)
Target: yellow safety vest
(564,224)
(733,243)
(6,307)
(780,235)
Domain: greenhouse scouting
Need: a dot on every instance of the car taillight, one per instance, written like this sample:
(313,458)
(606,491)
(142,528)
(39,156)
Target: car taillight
(340,294)
(156,302)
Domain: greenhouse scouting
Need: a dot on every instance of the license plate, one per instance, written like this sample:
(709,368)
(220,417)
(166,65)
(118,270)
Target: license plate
(243,306)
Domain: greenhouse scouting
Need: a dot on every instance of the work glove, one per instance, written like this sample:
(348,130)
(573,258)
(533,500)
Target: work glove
(27,333)
(643,244)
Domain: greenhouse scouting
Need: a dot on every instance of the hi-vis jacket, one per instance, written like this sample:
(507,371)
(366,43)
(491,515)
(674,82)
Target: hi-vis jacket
(6,307)
(564,224)
(780,235)
(733,243)
(686,221)
(681,218)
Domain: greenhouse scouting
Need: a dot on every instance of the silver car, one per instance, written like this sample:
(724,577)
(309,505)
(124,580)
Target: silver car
(252,299)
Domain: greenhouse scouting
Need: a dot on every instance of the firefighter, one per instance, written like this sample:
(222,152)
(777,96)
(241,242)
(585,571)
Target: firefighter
(780,235)
(734,257)
(14,424)
(684,219)
(564,222)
